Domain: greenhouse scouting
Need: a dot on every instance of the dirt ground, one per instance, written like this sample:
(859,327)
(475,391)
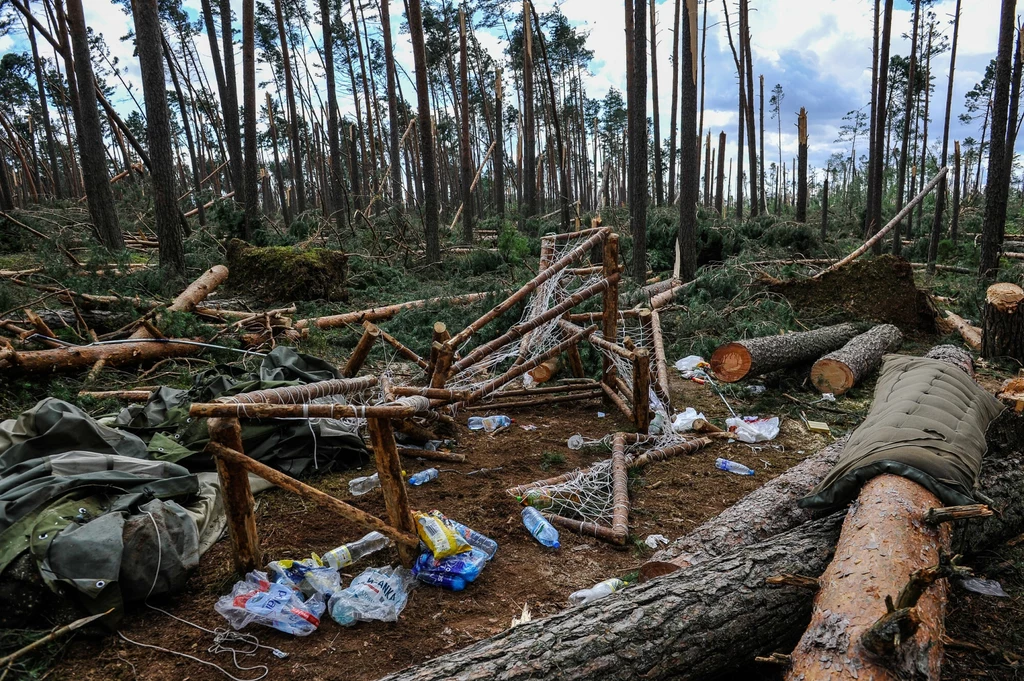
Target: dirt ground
(669,498)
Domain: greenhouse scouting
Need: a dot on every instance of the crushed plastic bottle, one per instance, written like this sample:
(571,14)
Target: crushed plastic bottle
(732,467)
(257,599)
(376,594)
(452,573)
(605,588)
(540,528)
(472,537)
(418,479)
(360,486)
(575,442)
(346,554)
(488,423)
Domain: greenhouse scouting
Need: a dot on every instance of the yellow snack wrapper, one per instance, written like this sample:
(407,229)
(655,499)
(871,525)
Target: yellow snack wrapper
(439,538)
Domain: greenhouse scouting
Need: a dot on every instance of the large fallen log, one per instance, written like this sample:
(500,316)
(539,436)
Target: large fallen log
(376,314)
(73,358)
(193,294)
(701,621)
(839,371)
(734,361)
(970,333)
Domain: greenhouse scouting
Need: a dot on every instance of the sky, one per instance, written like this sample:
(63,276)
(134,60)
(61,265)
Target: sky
(818,50)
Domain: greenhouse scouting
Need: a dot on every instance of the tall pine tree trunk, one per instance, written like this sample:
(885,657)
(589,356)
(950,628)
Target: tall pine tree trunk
(90,136)
(689,174)
(672,162)
(659,191)
(467,158)
(44,110)
(333,130)
(764,199)
(637,112)
(232,124)
(720,176)
(997,185)
(755,201)
(801,191)
(941,190)
(393,124)
(897,238)
(875,19)
(877,157)
(433,244)
(499,146)
(196,177)
(249,175)
(529,179)
(149,43)
(293,118)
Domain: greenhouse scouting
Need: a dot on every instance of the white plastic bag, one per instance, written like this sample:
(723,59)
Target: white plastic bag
(683,421)
(376,594)
(273,605)
(986,587)
(691,363)
(752,429)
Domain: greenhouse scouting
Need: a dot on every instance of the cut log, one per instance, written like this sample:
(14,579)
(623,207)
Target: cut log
(545,371)
(81,357)
(1002,323)
(703,620)
(883,541)
(971,334)
(839,371)
(951,354)
(734,361)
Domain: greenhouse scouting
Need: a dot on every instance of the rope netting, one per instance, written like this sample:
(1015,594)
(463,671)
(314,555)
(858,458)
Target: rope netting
(549,294)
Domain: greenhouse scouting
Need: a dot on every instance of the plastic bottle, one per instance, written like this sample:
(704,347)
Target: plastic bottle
(608,586)
(346,554)
(488,423)
(360,486)
(443,580)
(732,467)
(575,442)
(540,528)
(275,605)
(474,538)
(418,479)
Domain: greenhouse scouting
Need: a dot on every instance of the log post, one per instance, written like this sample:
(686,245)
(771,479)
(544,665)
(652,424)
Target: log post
(389,469)
(641,390)
(650,322)
(445,356)
(545,371)
(734,361)
(575,361)
(441,336)
(238,502)
(1002,326)
(362,349)
(839,371)
(610,319)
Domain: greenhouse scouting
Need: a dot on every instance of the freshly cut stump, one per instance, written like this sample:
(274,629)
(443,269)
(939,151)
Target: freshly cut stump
(734,361)
(1002,325)
(839,371)
(883,541)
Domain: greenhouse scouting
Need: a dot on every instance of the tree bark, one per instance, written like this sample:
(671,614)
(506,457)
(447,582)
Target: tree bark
(689,176)
(901,182)
(801,192)
(997,185)
(824,208)
(499,146)
(250,181)
(839,371)
(675,105)
(149,43)
(734,361)
(637,112)
(954,221)
(90,136)
(393,122)
(333,188)
(466,161)
(720,176)
(44,109)
(430,207)
(293,127)
(529,179)
(659,190)
(876,161)
(1003,322)
(951,354)
(940,197)
(232,126)
(744,36)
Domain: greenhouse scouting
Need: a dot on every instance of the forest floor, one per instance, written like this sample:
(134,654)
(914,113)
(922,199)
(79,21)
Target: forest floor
(669,498)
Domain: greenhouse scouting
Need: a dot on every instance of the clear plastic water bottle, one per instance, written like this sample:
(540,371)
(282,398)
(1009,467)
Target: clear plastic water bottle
(360,486)
(275,605)
(608,586)
(418,479)
(575,442)
(540,528)
(474,538)
(488,423)
(443,580)
(732,467)
(346,554)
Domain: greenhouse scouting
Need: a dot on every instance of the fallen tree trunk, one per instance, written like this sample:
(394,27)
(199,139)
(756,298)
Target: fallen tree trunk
(839,371)
(1002,324)
(883,541)
(376,314)
(718,614)
(971,334)
(950,354)
(734,361)
(74,358)
(188,299)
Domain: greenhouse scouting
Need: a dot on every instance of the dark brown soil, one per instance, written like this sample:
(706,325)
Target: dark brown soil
(669,498)
(880,289)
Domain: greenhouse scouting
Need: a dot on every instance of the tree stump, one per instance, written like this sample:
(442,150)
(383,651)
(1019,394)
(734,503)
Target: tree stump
(1002,328)
(839,371)
(734,361)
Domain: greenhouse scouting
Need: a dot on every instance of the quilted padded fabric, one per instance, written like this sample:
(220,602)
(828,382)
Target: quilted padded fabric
(927,423)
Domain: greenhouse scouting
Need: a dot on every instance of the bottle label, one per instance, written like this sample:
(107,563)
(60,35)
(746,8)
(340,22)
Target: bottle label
(342,554)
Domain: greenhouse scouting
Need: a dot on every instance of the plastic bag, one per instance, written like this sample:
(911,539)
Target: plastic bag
(987,587)
(376,594)
(439,538)
(753,429)
(450,573)
(280,606)
(683,421)
(310,575)
(655,540)
(691,363)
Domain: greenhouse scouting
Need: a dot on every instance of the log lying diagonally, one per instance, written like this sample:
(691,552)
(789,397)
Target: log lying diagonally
(703,620)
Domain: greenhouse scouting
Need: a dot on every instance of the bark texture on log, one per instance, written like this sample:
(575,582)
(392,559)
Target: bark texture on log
(692,624)
(839,371)
(970,334)
(767,511)
(883,541)
(734,361)
(951,354)
(1002,323)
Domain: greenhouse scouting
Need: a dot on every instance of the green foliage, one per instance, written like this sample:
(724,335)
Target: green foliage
(174,324)
(226,219)
(513,246)
(549,459)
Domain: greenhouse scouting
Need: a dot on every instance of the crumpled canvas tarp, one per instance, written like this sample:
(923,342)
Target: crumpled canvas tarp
(114,515)
(927,423)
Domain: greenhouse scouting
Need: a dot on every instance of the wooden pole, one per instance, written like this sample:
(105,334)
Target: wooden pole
(593,392)
(402,349)
(641,390)
(291,411)
(297,394)
(239,505)
(610,308)
(377,314)
(880,234)
(362,349)
(389,470)
(575,361)
(661,387)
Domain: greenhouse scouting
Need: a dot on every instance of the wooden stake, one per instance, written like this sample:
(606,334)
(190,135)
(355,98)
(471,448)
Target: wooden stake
(641,390)
(592,393)
(239,506)
(362,349)
(610,308)
(389,470)
(575,361)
